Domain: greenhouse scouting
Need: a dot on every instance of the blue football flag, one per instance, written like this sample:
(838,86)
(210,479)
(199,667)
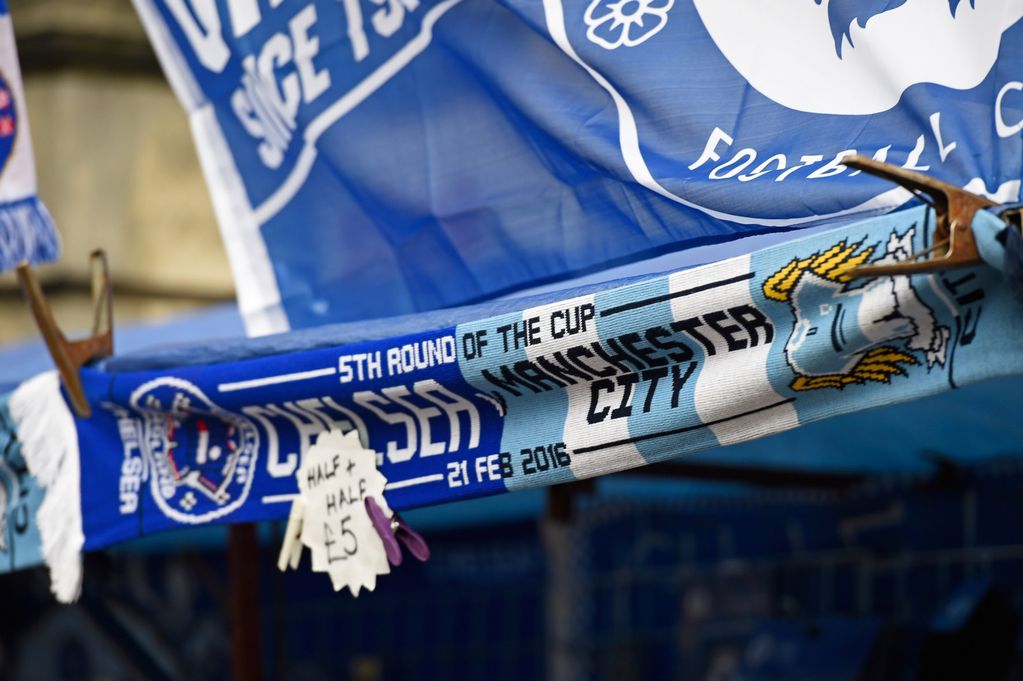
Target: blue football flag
(369,158)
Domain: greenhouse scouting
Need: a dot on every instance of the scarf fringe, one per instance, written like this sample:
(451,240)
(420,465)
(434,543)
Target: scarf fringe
(26,233)
(49,445)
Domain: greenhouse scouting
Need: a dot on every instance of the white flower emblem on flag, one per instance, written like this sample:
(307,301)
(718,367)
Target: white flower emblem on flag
(613,23)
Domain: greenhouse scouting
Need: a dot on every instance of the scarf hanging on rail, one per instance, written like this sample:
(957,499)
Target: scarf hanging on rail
(564,387)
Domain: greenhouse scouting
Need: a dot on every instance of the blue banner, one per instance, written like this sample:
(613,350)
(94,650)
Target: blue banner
(372,158)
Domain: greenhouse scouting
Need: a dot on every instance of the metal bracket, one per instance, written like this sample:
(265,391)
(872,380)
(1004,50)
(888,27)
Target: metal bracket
(953,244)
(71,356)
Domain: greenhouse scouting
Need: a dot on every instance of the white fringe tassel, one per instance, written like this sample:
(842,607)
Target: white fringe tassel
(49,443)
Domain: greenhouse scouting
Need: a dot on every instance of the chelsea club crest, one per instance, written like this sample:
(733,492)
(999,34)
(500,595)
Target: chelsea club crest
(200,457)
(8,121)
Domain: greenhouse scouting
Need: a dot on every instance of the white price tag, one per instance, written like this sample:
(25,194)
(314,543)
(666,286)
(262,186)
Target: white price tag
(329,516)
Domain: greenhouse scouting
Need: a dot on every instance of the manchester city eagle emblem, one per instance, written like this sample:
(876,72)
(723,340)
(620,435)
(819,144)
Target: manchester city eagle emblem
(200,457)
(854,334)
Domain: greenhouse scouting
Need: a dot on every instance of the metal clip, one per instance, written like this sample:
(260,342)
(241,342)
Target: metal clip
(71,356)
(954,209)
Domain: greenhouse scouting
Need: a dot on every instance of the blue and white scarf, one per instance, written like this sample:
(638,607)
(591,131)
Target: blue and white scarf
(559,389)
(20,499)
(26,230)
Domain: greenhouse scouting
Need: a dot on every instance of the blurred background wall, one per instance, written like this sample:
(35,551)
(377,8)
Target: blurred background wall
(116,167)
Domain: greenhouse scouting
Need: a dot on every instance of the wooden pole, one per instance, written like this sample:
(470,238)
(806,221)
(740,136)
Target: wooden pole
(243,568)
(563,593)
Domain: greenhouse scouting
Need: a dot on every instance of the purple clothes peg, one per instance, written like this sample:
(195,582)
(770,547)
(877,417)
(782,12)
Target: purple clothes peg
(382,524)
(412,540)
(393,529)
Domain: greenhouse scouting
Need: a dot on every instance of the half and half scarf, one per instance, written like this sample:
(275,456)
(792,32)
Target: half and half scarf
(518,394)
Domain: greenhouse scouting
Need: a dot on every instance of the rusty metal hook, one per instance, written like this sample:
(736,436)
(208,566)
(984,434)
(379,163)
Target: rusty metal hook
(954,209)
(71,356)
